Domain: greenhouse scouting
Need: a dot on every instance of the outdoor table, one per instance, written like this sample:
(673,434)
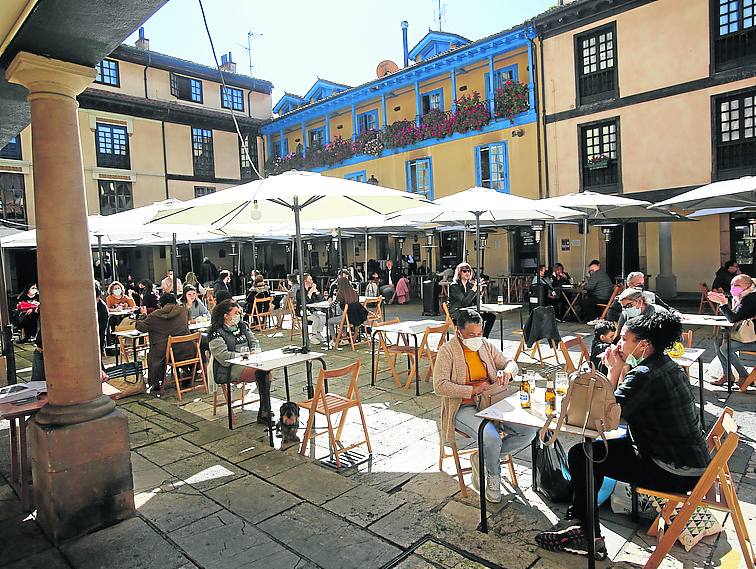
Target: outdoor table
(271,360)
(576,292)
(239,298)
(509,411)
(500,310)
(499,279)
(412,328)
(326,305)
(714,322)
(18,414)
(691,356)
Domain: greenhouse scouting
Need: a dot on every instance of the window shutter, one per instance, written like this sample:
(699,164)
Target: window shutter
(174,85)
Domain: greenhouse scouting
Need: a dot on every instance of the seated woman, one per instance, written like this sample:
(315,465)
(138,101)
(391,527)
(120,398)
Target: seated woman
(148,300)
(229,336)
(743,308)
(373,287)
(117,297)
(347,296)
(194,306)
(191,279)
(465,366)
(27,312)
(665,448)
(635,303)
(463,293)
(259,290)
(403,290)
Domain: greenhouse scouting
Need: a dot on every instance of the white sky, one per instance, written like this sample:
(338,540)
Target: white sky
(339,40)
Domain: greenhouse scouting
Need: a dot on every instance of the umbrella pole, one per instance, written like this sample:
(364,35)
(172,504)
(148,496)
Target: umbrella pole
(99,253)
(114,260)
(477,255)
(174,260)
(254,254)
(623,251)
(8,349)
(585,245)
(191,257)
(367,277)
(341,251)
(464,242)
(241,268)
(293,252)
(302,293)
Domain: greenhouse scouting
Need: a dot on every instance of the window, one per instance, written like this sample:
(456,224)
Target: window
(501,76)
(734,33)
(200,191)
(367,121)
(115,197)
(736,134)
(596,62)
(600,156)
(107,73)
(231,98)
(277,147)
(112,143)
(12,150)
(247,172)
(491,167)
(316,136)
(202,152)
(434,100)
(185,88)
(12,198)
(420,177)
(360,176)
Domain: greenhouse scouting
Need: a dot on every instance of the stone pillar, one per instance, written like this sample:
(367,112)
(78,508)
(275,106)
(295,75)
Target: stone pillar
(666,282)
(80,447)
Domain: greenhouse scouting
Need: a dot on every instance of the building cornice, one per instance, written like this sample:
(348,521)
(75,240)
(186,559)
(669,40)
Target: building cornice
(580,13)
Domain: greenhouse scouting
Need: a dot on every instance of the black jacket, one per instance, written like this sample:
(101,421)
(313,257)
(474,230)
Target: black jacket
(208,272)
(745,310)
(395,276)
(722,279)
(310,299)
(219,286)
(461,296)
(541,325)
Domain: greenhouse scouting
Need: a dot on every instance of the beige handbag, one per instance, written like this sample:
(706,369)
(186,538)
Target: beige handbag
(744,332)
(589,404)
(490,396)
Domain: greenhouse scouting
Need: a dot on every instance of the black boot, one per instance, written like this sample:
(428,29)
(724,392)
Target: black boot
(265,414)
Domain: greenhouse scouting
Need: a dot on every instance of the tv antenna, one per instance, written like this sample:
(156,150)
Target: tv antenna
(440,15)
(248,47)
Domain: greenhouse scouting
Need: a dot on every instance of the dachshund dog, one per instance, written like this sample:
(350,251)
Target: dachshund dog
(288,423)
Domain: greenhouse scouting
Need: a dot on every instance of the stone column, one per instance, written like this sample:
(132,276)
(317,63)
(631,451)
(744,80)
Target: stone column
(80,448)
(666,282)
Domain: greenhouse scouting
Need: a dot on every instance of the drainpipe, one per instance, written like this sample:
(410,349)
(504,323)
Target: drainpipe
(543,119)
(543,173)
(405,25)
(165,160)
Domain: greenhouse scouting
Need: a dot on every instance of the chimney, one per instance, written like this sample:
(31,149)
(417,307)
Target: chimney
(142,42)
(227,64)
(405,25)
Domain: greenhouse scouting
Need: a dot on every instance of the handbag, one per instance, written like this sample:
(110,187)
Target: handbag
(588,404)
(744,332)
(552,474)
(490,396)
(126,325)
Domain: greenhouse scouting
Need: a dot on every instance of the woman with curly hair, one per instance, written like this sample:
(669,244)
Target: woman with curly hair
(664,448)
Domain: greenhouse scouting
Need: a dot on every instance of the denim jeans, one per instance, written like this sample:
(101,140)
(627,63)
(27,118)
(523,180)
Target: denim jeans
(734,359)
(516,439)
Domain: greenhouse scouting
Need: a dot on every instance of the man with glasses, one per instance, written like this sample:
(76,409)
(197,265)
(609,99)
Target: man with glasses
(463,294)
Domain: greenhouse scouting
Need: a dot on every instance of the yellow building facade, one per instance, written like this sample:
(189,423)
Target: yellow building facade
(648,100)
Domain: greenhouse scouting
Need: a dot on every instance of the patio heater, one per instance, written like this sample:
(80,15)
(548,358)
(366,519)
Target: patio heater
(482,250)
(234,263)
(174,262)
(429,245)
(400,249)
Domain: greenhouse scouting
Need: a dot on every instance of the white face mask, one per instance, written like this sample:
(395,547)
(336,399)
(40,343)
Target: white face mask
(117,291)
(235,319)
(473,344)
(33,292)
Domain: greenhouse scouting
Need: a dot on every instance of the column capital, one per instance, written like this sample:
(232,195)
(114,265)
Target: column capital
(51,76)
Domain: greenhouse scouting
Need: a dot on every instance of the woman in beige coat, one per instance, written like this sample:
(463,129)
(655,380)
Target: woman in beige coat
(466,366)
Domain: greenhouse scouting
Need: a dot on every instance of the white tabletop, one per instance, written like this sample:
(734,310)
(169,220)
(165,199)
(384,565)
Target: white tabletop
(239,297)
(705,320)
(510,411)
(120,311)
(691,356)
(410,326)
(499,308)
(326,304)
(276,359)
(278,293)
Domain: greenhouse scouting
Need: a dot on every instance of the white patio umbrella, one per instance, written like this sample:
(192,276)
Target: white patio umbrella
(488,206)
(308,196)
(740,192)
(610,210)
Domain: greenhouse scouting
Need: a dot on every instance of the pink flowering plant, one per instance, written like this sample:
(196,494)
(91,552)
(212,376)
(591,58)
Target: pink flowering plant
(368,142)
(472,113)
(511,99)
(401,133)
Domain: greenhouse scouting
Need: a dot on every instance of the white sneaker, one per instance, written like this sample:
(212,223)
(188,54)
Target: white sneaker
(493,488)
(314,340)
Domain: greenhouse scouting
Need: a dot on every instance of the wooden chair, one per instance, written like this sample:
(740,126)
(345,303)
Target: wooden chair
(345,325)
(383,348)
(448,318)
(187,368)
(374,307)
(750,379)
(455,453)
(572,342)
(262,314)
(704,289)
(329,404)
(296,321)
(225,389)
(715,490)
(535,350)
(615,291)
(424,351)
(687,338)
(140,347)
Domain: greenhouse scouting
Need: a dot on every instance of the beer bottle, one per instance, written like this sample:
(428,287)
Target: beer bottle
(525,393)
(551,397)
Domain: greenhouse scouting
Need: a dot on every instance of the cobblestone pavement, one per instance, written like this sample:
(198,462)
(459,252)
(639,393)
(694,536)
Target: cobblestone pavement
(209,497)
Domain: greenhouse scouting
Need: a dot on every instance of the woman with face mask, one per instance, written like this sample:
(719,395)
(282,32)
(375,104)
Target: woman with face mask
(664,448)
(117,297)
(27,312)
(463,294)
(635,303)
(743,308)
(466,366)
(229,337)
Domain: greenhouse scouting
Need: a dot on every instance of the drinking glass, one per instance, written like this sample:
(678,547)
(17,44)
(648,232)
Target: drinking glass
(562,383)
(244,351)
(499,300)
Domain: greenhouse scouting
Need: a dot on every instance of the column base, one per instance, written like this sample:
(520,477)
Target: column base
(666,286)
(82,475)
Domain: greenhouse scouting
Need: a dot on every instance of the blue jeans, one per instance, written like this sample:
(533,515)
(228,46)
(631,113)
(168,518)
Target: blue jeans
(734,359)
(517,437)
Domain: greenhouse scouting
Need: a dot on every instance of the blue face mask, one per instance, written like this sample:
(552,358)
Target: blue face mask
(632,312)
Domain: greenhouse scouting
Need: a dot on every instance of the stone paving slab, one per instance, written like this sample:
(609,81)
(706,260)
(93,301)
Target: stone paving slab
(313,483)
(48,559)
(166,452)
(132,544)
(19,536)
(328,540)
(270,464)
(364,505)
(226,541)
(240,446)
(174,509)
(205,471)
(253,499)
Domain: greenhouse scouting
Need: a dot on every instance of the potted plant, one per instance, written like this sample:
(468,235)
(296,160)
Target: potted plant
(472,113)
(511,99)
(598,161)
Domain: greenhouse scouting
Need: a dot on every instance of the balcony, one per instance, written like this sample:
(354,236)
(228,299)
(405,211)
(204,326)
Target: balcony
(736,159)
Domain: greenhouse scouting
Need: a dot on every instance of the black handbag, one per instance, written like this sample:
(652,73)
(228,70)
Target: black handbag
(551,473)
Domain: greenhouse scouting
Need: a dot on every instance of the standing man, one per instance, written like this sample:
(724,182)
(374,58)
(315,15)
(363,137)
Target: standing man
(390,277)
(411,264)
(598,290)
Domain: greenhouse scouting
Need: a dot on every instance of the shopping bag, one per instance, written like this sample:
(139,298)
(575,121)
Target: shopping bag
(552,475)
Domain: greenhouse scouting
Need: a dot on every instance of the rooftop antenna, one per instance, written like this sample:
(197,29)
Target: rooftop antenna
(440,14)
(248,47)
